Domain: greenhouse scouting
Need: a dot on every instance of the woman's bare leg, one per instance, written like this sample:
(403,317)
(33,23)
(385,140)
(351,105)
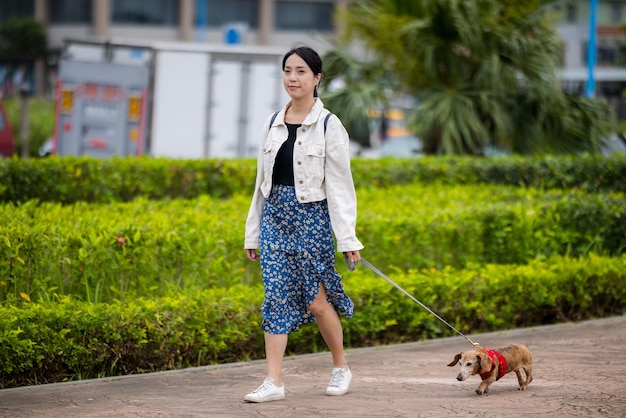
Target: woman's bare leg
(275,346)
(330,327)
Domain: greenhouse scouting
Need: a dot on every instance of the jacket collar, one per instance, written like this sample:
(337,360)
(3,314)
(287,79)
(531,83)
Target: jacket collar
(311,118)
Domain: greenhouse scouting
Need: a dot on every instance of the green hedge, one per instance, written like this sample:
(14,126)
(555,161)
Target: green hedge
(425,226)
(129,265)
(71,179)
(589,173)
(68,339)
(74,179)
(103,252)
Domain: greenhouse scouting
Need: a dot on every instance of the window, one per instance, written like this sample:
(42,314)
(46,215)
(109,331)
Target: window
(571,14)
(606,55)
(221,12)
(16,8)
(570,86)
(609,53)
(70,11)
(616,12)
(148,12)
(304,15)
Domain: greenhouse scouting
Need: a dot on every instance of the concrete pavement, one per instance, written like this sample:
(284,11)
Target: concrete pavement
(579,371)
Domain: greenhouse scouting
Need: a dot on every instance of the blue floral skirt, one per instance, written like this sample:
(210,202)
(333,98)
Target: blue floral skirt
(297,254)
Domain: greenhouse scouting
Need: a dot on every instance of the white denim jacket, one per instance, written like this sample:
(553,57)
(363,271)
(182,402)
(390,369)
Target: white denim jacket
(321,168)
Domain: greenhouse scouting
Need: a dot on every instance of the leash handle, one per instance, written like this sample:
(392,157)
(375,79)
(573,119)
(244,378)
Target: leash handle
(382,275)
(350,264)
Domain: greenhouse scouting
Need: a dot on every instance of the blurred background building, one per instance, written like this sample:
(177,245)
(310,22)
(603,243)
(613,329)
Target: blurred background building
(610,72)
(250,22)
(283,22)
(261,22)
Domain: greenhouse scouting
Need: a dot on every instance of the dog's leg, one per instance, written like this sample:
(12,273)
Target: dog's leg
(520,381)
(484,385)
(529,377)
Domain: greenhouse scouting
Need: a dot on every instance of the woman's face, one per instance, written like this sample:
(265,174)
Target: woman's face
(298,78)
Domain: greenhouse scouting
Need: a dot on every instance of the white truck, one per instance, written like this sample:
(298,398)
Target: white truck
(178,100)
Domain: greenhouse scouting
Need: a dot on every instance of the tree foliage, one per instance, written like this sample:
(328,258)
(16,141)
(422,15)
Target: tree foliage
(482,71)
(22,40)
(365,86)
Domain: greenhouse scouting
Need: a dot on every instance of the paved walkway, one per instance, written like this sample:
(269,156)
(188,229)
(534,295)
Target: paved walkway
(579,371)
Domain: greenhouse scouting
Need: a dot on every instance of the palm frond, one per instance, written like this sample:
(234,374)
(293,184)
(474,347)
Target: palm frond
(482,71)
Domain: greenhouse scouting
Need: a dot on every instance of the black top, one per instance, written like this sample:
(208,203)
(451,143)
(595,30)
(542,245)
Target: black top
(283,165)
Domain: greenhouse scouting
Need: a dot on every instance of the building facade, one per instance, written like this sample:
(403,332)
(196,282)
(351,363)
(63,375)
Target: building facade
(284,22)
(610,65)
(255,22)
(249,22)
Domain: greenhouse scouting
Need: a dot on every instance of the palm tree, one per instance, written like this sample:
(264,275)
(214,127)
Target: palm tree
(482,71)
(364,86)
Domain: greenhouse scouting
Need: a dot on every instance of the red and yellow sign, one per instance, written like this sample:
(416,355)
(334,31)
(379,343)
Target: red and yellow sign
(67,100)
(134,108)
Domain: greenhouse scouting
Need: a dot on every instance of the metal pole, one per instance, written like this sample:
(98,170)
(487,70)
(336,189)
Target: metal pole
(244,108)
(202,16)
(590,89)
(208,121)
(24,112)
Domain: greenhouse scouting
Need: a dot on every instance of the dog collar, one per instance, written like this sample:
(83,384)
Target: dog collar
(501,361)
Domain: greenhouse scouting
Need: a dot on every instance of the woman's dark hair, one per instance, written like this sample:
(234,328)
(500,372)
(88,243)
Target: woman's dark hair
(309,56)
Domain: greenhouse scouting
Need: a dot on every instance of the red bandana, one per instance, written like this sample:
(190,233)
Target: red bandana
(501,360)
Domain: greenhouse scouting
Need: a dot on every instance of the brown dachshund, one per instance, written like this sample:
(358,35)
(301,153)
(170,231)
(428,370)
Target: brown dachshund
(491,365)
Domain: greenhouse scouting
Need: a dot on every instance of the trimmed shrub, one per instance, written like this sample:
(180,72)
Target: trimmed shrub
(72,179)
(69,339)
(100,253)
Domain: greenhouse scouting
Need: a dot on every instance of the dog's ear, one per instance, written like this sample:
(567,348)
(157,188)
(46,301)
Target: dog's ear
(456,360)
(484,362)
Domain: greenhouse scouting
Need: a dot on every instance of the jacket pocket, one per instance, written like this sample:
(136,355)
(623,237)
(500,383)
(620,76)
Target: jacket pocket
(267,154)
(267,147)
(268,164)
(316,151)
(316,156)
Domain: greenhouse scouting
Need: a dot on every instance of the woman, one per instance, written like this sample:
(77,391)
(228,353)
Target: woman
(303,193)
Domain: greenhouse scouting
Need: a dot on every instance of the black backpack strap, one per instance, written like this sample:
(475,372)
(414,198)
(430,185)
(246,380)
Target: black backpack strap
(272,121)
(326,121)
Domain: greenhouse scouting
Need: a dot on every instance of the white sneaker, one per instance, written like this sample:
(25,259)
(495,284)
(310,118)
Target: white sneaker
(267,392)
(339,382)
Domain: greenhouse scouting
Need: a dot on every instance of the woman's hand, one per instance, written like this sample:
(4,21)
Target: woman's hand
(353,256)
(252,254)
